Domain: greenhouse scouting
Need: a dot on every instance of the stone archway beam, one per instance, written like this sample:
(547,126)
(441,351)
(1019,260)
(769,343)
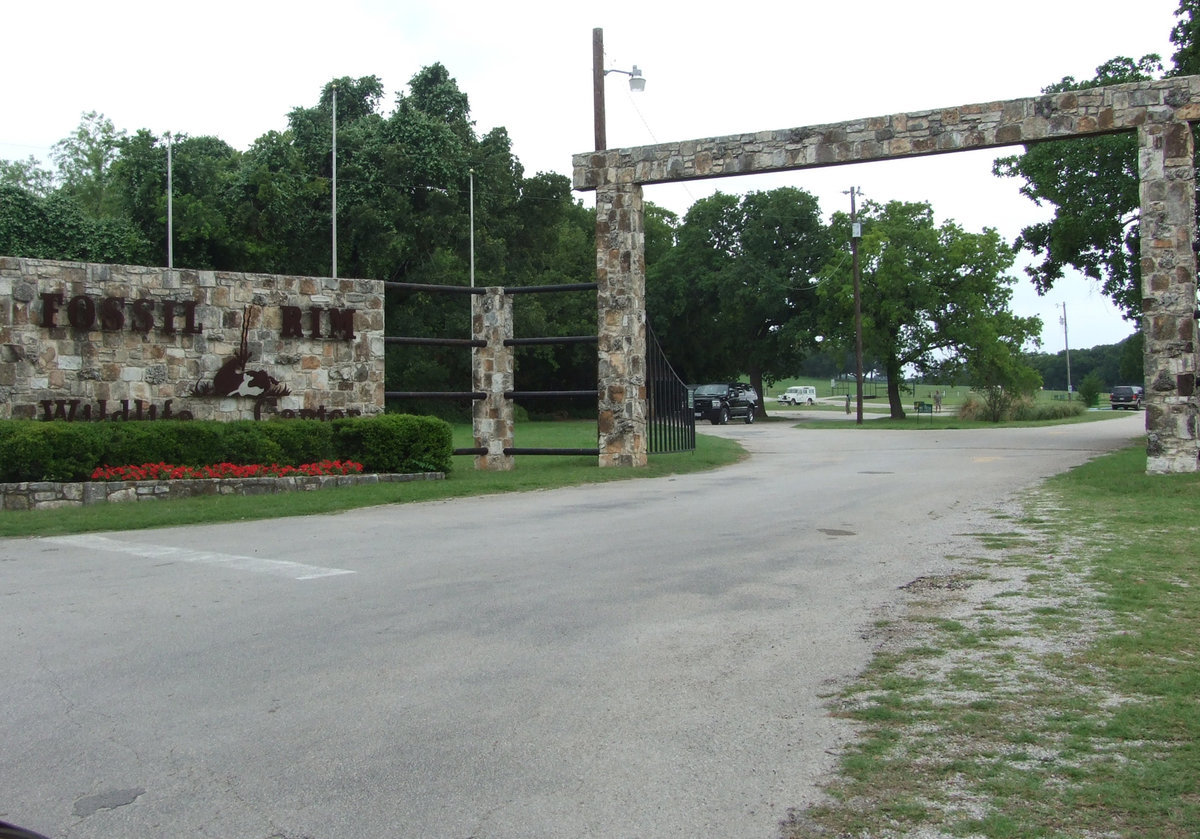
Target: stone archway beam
(1100,110)
(1159,112)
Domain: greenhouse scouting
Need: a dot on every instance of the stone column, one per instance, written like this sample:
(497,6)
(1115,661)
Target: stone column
(1169,295)
(621,316)
(492,372)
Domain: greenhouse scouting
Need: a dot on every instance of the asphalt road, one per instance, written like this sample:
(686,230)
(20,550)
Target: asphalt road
(635,659)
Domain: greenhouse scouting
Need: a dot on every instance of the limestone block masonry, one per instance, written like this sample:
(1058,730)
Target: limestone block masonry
(84,342)
(1160,113)
(493,373)
(49,495)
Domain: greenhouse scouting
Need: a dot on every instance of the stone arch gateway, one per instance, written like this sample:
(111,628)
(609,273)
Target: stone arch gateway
(1160,112)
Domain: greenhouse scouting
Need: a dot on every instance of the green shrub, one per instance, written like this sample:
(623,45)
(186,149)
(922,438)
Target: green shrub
(1089,389)
(180,443)
(60,451)
(197,441)
(301,441)
(395,443)
(10,427)
(244,442)
(140,442)
(50,451)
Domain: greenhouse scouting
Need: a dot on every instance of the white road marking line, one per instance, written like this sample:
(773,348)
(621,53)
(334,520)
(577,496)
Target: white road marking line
(276,567)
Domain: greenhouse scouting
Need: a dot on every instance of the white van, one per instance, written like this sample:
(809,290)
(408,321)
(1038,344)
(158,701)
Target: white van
(799,395)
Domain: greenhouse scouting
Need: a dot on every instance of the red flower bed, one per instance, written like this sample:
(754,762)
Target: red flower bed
(165,471)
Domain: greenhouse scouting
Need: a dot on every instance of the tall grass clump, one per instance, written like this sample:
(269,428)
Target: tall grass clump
(1021,409)
(1027,410)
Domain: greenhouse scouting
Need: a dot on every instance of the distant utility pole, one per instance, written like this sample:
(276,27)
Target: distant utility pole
(855,235)
(1067,346)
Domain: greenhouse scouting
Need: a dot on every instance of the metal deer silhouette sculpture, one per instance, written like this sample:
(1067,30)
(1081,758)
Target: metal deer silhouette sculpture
(233,379)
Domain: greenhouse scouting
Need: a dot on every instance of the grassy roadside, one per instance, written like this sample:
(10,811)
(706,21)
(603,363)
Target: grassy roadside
(531,473)
(1050,688)
(943,422)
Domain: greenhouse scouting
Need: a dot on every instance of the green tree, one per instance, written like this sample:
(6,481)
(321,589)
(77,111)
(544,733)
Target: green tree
(85,159)
(932,296)
(404,214)
(998,372)
(204,171)
(28,174)
(205,212)
(1089,389)
(735,295)
(1133,359)
(279,209)
(1092,183)
(1185,35)
(56,227)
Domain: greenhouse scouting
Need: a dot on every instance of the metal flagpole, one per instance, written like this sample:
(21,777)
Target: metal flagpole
(471,180)
(334,222)
(170,209)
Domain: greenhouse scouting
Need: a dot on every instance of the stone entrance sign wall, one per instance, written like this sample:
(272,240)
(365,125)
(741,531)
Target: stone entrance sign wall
(86,342)
(1159,112)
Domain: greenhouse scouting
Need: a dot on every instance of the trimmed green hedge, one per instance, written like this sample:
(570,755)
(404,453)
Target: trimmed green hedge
(34,450)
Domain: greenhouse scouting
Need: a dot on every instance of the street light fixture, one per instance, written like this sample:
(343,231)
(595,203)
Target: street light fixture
(637,83)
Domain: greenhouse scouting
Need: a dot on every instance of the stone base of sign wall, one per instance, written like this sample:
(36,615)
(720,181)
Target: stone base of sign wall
(49,495)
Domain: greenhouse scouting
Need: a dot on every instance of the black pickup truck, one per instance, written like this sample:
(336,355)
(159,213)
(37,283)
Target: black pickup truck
(717,403)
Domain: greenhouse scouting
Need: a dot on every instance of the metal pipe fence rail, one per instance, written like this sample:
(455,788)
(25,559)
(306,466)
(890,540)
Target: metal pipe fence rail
(434,342)
(516,289)
(562,339)
(475,343)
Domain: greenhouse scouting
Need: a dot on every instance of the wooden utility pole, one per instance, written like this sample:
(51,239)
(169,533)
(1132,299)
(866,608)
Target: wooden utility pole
(1067,346)
(855,235)
(598,86)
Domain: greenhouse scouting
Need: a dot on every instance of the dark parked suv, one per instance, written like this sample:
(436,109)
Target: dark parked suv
(1124,396)
(717,403)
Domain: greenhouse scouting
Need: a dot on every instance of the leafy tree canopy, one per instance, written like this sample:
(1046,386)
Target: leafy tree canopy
(85,160)
(735,294)
(932,295)
(1092,183)
(28,174)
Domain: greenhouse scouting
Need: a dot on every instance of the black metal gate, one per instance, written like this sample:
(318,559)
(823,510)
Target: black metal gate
(671,425)
(468,343)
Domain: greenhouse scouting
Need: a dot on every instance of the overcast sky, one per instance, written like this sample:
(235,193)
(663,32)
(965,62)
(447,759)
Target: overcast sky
(235,69)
